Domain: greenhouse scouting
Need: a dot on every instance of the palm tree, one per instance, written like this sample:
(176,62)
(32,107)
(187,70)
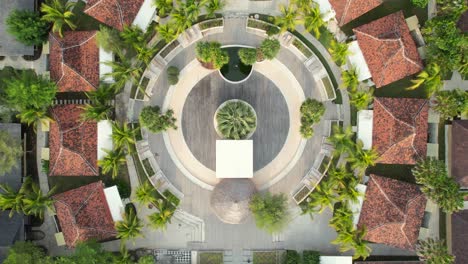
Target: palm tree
(35,203)
(431,77)
(179,21)
(304,5)
(361,249)
(160,219)
(349,192)
(130,227)
(361,99)
(123,136)
(342,219)
(99,109)
(313,20)
(433,251)
(133,37)
(166,32)
(164,7)
(323,196)
(360,159)
(122,72)
(339,176)
(145,194)
(32,117)
(11,200)
(193,8)
(236,120)
(288,19)
(59,13)
(350,79)
(212,6)
(342,140)
(345,240)
(112,162)
(145,54)
(338,51)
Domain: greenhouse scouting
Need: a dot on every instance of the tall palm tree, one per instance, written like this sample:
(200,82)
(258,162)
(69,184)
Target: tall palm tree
(145,194)
(339,176)
(11,200)
(164,7)
(99,109)
(304,5)
(313,20)
(33,117)
(130,227)
(35,202)
(122,72)
(342,218)
(345,240)
(193,8)
(145,54)
(59,13)
(112,162)
(323,196)
(350,79)
(212,6)
(431,77)
(166,32)
(338,51)
(123,135)
(360,159)
(349,192)
(342,140)
(288,20)
(133,37)
(160,219)
(361,99)
(361,249)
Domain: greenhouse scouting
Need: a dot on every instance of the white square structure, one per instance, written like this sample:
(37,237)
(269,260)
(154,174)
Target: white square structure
(234,158)
(104,140)
(356,59)
(364,127)
(114,202)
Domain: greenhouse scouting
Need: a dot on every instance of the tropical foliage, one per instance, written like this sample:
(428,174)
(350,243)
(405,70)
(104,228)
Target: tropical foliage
(109,39)
(164,7)
(10,153)
(360,158)
(361,99)
(123,136)
(437,185)
(288,20)
(430,77)
(59,13)
(99,108)
(27,27)
(236,120)
(211,54)
(248,56)
(311,113)
(270,48)
(339,51)
(212,6)
(145,194)
(433,251)
(130,227)
(350,79)
(112,162)
(122,72)
(270,211)
(342,140)
(420,3)
(311,257)
(23,252)
(156,122)
(160,219)
(166,32)
(451,104)
(313,20)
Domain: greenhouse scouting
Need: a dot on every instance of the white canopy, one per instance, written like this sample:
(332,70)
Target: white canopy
(103,68)
(336,260)
(114,202)
(234,158)
(104,139)
(364,127)
(356,59)
(145,15)
(357,207)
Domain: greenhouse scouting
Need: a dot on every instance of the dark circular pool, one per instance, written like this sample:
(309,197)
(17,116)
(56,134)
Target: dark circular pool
(235,70)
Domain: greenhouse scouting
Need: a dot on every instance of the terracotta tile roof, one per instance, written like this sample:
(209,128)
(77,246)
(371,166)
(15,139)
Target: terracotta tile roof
(460,236)
(83,214)
(348,10)
(72,143)
(115,13)
(400,129)
(393,212)
(389,49)
(74,61)
(459,152)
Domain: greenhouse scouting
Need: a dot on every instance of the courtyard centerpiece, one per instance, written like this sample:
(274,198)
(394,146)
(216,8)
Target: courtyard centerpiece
(235,119)
(236,70)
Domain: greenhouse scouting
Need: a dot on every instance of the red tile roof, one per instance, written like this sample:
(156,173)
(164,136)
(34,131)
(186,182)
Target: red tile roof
(115,13)
(460,236)
(348,10)
(74,61)
(393,212)
(400,129)
(83,214)
(459,151)
(389,49)
(72,143)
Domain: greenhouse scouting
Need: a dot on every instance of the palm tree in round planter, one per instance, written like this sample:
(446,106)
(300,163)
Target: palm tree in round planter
(130,226)
(112,162)
(235,120)
(59,13)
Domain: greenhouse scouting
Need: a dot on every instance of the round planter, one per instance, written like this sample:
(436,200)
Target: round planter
(215,122)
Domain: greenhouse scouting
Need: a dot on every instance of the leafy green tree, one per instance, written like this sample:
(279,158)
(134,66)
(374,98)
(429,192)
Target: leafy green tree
(123,135)
(130,227)
(11,200)
(311,111)
(32,117)
(35,202)
(145,54)
(122,72)
(270,211)
(59,13)
(450,104)
(342,140)
(112,162)
(270,48)
(350,79)
(25,252)
(437,185)
(361,99)
(248,56)
(186,14)
(10,153)
(339,52)
(361,248)
(145,194)
(420,3)
(164,7)
(109,39)
(27,27)
(211,55)
(148,259)
(303,5)
(288,20)
(313,20)
(342,219)
(166,32)
(159,220)
(156,122)
(433,251)
(306,131)
(236,120)
(172,75)
(212,6)
(430,77)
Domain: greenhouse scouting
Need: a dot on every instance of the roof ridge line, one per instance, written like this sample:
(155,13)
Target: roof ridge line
(85,202)
(385,195)
(345,11)
(77,73)
(396,143)
(84,41)
(388,62)
(91,7)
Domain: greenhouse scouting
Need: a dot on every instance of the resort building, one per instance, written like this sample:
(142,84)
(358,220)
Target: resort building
(388,49)
(87,212)
(458,152)
(119,13)
(348,10)
(9,46)
(76,61)
(399,224)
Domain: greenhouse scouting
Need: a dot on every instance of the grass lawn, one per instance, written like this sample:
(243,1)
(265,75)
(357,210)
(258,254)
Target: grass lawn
(210,258)
(82,20)
(394,171)
(387,8)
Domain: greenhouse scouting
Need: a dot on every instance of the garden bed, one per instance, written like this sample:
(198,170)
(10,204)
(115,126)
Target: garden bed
(211,24)
(148,167)
(302,48)
(268,257)
(174,44)
(252,23)
(140,95)
(210,257)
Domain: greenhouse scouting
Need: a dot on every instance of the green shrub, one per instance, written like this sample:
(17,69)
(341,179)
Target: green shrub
(151,118)
(45,166)
(311,113)
(27,27)
(420,3)
(211,54)
(270,48)
(270,211)
(271,31)
(173,75)
(311,257)
(248,56)
(292,257)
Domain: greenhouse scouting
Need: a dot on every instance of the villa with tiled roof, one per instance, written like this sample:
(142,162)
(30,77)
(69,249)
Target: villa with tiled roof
(84,213)
(74,61)
(459,152)
(399,224)
(348,10)
(400,128)
(388,49)
(72,143)
(120,13)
